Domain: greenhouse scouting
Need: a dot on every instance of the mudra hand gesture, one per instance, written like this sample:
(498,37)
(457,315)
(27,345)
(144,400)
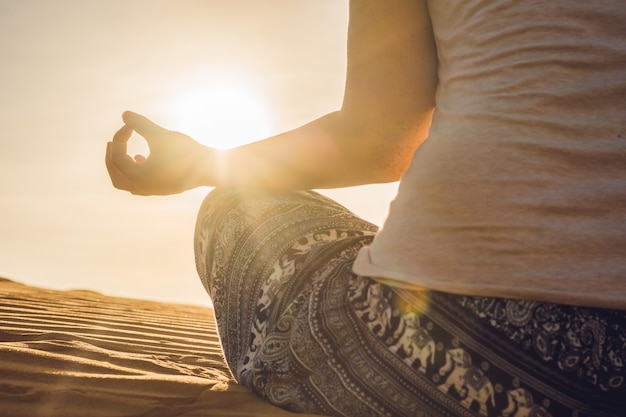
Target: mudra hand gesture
(176,162)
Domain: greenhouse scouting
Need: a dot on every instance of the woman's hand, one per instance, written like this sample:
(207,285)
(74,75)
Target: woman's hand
(176,162)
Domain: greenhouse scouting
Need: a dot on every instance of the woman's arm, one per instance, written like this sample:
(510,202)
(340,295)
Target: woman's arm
(387,107)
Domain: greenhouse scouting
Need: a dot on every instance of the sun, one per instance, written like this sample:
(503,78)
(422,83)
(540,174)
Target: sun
(222,115)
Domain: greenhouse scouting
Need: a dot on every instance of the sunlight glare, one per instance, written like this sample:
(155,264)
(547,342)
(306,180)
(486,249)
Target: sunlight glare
(223,115)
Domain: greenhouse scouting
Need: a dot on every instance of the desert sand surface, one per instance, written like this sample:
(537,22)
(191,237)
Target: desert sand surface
(84,354)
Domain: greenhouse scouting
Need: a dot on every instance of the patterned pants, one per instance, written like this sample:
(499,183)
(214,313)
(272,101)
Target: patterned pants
(299,328)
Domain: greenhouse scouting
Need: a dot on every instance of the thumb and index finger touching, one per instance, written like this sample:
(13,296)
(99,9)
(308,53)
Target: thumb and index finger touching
(134,122)
(121,167)
(117,160)
(142,125)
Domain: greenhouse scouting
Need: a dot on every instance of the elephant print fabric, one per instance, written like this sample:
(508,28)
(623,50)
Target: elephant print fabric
(300,329)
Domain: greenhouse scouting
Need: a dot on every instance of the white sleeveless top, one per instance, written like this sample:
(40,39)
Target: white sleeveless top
(520,189)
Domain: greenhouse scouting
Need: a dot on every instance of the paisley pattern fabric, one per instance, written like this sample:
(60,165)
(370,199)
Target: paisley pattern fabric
(299,328)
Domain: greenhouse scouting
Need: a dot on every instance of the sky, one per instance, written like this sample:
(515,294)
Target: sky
(69,68)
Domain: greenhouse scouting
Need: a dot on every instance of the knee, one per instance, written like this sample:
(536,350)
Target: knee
(225,216)
(211,218)
(248,203)
(218,200)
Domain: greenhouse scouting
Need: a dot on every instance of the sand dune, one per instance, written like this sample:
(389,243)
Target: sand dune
(80,353)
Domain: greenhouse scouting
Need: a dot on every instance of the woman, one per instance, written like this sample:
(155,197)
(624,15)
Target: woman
(497,285)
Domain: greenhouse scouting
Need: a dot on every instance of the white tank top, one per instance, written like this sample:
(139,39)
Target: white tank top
(520,189)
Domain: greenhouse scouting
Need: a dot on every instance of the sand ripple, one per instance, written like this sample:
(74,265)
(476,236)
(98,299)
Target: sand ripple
(80,353)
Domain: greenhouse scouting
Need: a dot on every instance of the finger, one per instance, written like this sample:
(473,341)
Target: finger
(142,125)
(107,155)
(111,158)
(123,134)
(140,159)
(118,145)
(118,178)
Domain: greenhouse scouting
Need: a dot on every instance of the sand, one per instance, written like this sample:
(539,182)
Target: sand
(80,353)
